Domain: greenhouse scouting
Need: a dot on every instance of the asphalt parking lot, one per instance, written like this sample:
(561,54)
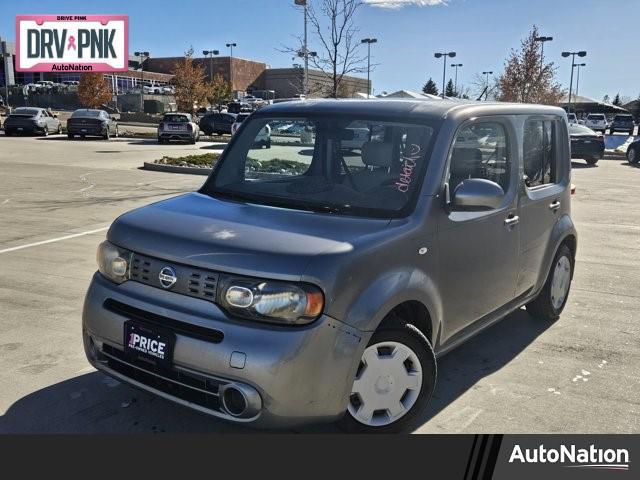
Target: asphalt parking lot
(57,198)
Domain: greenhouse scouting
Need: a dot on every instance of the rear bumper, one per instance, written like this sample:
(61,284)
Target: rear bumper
(86,130)
(184,136)
(300,375)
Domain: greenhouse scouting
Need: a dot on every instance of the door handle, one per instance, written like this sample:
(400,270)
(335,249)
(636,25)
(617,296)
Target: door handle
(512,220)
(555,205)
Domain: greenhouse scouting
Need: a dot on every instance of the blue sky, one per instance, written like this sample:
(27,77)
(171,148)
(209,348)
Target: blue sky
(481,31)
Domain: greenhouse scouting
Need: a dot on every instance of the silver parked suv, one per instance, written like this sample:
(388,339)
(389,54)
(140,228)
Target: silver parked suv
(311,282)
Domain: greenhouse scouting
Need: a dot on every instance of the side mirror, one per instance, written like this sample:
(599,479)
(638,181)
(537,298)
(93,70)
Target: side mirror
(477,194)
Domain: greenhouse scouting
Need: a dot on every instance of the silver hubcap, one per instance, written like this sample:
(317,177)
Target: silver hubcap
(387,384)
(560,282)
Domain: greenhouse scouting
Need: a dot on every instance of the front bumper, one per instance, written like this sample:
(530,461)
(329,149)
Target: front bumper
(301,375)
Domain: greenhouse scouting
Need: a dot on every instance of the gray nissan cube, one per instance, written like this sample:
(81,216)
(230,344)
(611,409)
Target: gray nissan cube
(319,280)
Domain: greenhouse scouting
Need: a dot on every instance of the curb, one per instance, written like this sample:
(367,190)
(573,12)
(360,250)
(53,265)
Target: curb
(176,169)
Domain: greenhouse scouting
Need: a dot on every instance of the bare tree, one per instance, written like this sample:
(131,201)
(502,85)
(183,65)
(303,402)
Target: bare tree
(333,25)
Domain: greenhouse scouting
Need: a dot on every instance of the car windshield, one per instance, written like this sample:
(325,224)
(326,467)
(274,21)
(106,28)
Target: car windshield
(595,117)
(26,111)
(580,130)
(176,119)
(327,164)
(623,118)
(86,113)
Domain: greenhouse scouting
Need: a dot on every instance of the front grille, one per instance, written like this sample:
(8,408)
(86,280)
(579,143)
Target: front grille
(182,328)
(186,385)
(194,282)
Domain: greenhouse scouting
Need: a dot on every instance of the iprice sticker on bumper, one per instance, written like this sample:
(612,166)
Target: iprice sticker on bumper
(72,43)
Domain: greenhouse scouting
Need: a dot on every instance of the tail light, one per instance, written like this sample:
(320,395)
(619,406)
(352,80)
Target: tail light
(189,127)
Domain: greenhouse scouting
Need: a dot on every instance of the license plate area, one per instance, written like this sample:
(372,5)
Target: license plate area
(149,343)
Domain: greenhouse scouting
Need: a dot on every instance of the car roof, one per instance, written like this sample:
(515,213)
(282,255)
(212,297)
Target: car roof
(402,108)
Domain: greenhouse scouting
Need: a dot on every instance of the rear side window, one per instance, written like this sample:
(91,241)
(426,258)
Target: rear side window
(540,152)
(480,151)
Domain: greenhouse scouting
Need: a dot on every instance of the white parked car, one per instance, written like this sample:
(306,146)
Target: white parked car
(597,122)
(571,117)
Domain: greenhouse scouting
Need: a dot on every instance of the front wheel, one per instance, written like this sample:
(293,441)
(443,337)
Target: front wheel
(60,129)
(552,298)
(107,135)
(633,156)
(592,161)
(45,131)
(394,381)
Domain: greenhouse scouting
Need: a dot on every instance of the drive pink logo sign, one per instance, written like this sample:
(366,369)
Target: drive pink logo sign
(72,43)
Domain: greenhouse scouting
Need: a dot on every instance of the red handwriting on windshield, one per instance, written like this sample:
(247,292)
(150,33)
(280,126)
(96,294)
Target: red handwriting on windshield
(410,161)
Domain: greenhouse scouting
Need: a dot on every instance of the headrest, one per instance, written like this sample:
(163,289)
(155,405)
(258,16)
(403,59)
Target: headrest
(376,154)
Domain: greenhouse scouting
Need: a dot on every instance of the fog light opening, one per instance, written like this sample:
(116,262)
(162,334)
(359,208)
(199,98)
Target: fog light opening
(234,401)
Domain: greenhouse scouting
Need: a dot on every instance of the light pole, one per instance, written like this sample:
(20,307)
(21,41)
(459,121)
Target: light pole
(305,50)
(369,41)
(444,56)
(486,88)
(578,75)
(456,65)
(231,45)
(143,56)
(210,54)
(542,41)
(581,53)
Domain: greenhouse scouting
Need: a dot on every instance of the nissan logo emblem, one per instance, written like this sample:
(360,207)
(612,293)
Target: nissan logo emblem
(167,277)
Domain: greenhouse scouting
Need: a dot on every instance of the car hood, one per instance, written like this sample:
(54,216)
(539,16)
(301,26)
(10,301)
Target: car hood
(247,239)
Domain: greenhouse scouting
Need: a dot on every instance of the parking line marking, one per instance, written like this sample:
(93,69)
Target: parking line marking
(53,240)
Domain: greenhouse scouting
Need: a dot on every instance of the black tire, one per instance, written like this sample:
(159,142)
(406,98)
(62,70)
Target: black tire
(592,161)
(542,307)
(633,156)
(45,131)
(269,143)
(107,135)
(160,141)
(407,334)
(70,136)
(117,134)
(60,129)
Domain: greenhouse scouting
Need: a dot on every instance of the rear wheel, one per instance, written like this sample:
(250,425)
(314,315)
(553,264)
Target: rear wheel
(552,298)
(592,161)
(60,129)
(45,131)
(394,381)
(107,134)
(70,136)
(632,155)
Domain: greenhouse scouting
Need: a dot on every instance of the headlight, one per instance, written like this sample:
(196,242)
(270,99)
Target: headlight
(113,262)
(270,301)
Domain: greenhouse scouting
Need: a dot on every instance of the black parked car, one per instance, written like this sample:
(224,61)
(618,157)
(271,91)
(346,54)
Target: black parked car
(218,123)
(633,152)
(622,123)
(31,120)
(586,144)
(96,123)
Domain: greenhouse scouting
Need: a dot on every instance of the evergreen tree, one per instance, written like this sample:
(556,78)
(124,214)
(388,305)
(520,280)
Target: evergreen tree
(616,101)
(430,87)
(450,90)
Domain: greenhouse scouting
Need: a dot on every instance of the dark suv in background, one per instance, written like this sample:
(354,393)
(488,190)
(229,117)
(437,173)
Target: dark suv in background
(218,123)
(622,123)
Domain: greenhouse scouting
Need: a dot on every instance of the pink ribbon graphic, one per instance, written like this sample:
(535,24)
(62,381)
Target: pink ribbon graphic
(72,43)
